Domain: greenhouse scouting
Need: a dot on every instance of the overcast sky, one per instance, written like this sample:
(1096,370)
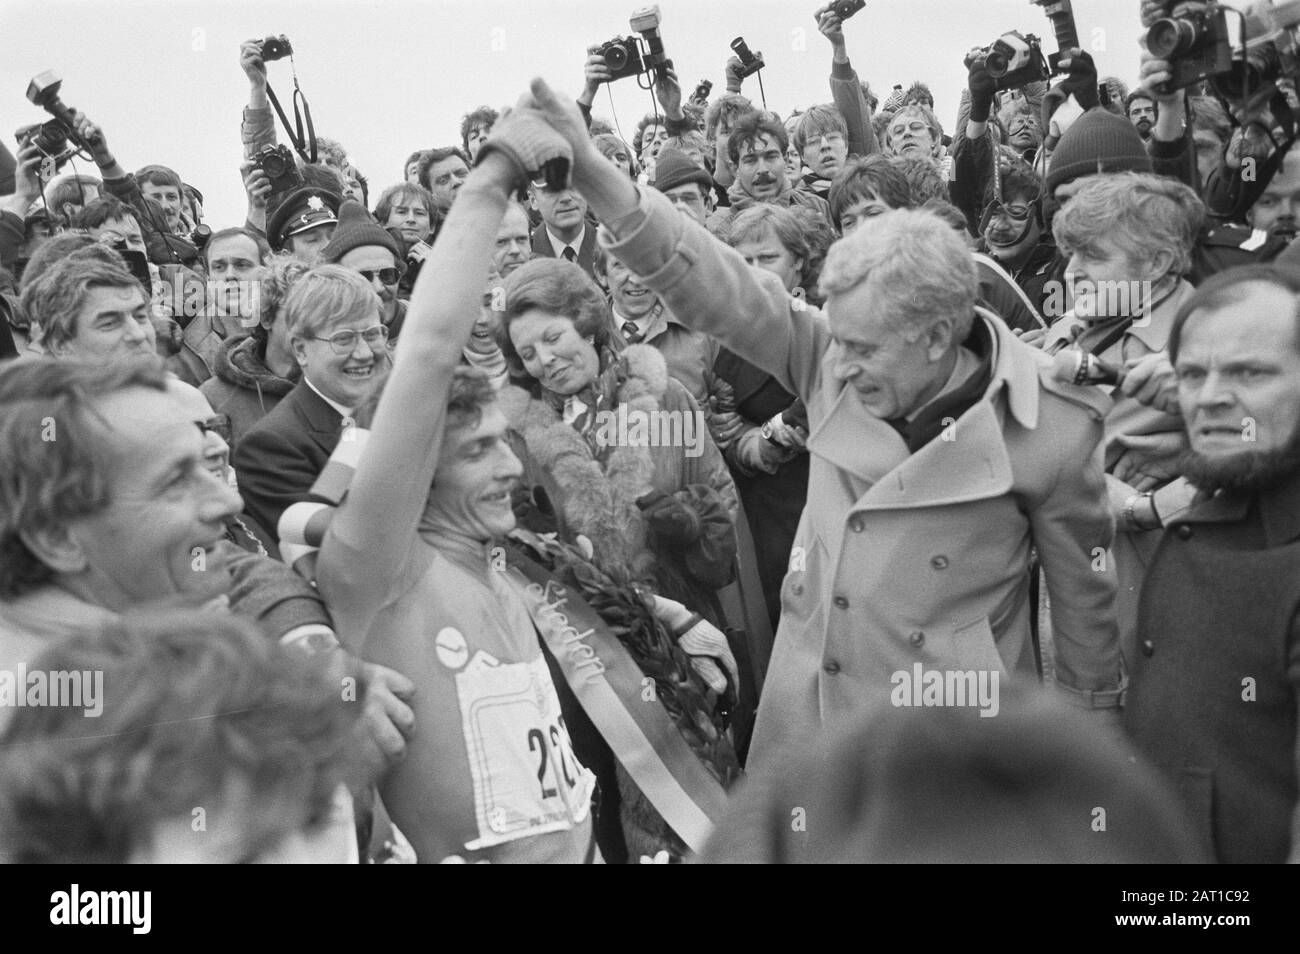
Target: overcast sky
(386,78)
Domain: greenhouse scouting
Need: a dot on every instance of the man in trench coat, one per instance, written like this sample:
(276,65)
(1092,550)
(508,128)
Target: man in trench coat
(936,462)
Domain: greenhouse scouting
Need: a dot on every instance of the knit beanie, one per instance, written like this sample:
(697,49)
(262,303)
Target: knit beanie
(673,168)
(1098,141)
(356,228)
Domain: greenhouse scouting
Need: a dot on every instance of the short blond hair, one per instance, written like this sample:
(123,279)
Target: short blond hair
(325,296)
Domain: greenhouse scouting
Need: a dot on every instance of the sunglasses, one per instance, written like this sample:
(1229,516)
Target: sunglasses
(388,276)
(345,342)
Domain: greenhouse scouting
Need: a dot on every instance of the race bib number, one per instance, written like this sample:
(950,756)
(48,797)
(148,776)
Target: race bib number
(527,781)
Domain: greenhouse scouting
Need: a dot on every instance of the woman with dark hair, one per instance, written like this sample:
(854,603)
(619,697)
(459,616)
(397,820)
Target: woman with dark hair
(618,461)
(670,496)
(765,449)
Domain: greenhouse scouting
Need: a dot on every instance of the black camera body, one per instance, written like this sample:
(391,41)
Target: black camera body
(1196,46)
(136,262)
(701,94)
(846,8)
(51,138)
(278,164)
(750,62)
(1013,60)
(623,57)
(276,48)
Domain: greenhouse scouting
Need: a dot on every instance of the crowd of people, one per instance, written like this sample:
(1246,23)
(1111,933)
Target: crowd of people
(819,486)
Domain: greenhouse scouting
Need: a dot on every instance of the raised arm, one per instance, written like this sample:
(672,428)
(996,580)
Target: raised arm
(389,490)
(706,284)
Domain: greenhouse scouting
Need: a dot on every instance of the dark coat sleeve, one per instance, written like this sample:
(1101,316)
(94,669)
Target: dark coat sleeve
(275,470)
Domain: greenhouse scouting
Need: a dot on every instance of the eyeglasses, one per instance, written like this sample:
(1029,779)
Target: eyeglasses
(218,424)
(345,342)
(388,276)
(1016,213)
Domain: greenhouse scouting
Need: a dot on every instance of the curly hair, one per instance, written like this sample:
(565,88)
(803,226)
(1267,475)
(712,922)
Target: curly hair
(194,708)
(609,144)
(750,128)
(1136,213)
(561,288)
(48,483)
(483,116)
(924,177)
(802,232)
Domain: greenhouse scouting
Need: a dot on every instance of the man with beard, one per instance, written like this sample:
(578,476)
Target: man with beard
(1140,109)
(756,149)
(1214,693)
(1275,211)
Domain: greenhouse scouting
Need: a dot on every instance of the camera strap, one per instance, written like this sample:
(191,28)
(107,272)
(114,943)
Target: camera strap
(304,146)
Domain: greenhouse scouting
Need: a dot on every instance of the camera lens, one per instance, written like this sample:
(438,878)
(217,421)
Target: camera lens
(273,166)
(616,57)
(997,64)
(741,49)
(1170,37)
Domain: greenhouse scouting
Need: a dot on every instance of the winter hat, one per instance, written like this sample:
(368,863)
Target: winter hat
(356,228)
(673,169)
(1098,141)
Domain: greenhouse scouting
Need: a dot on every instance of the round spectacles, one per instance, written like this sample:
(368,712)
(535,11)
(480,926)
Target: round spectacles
(345,342)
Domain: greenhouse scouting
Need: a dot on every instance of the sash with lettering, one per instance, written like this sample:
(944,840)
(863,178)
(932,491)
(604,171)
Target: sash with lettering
(603,675)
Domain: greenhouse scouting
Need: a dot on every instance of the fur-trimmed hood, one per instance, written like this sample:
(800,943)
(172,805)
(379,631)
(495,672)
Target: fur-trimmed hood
(594,489)
(239,362)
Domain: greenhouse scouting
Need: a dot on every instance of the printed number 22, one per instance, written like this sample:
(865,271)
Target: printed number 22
(537,743)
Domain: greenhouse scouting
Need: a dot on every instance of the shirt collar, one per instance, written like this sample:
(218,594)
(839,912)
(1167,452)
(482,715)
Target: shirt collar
(343,411)
(558,245)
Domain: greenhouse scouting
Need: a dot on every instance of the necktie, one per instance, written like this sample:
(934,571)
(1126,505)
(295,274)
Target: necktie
(569,254)
(631,333)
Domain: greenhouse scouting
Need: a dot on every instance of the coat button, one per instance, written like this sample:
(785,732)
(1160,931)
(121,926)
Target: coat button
(858,524)
(796,589)
(940,562)
(831,667)
(917,639)
(1148,648)
(1184,532)
(841,602)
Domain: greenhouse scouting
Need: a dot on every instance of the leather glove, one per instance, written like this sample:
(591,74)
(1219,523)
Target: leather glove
(527,139)
(982,88)
(672,521)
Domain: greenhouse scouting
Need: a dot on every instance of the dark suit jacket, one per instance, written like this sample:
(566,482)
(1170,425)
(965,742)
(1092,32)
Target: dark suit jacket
(586,253)
(279,458)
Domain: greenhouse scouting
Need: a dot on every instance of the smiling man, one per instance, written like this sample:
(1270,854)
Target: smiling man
(941,451)
(341,346)
(85,307)
(1216,687)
